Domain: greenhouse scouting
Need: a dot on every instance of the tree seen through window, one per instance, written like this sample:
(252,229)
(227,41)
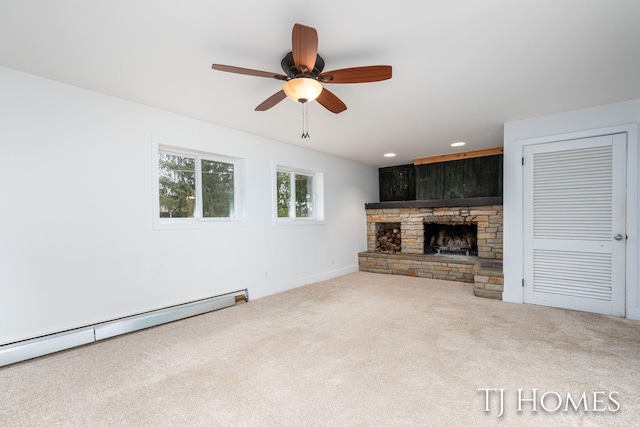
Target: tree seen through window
(190,186)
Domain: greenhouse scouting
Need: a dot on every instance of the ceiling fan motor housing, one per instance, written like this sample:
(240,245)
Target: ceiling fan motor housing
(289,67)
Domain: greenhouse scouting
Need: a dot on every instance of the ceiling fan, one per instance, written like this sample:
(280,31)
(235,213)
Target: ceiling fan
(303,74)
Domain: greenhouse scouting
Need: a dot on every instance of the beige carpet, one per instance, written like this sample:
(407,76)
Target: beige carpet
(359,350)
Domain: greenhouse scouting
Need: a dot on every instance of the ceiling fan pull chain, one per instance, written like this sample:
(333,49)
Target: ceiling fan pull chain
(305,121)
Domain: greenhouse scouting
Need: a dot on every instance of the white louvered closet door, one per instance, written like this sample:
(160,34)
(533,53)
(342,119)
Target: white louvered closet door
(574,206)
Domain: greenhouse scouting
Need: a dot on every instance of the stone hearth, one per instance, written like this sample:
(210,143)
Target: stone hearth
(483,269)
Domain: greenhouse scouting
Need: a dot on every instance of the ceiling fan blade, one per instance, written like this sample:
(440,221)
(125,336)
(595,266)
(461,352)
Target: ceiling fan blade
(271,101)
(374,73)
(247,71)
(331,102)
(305,47)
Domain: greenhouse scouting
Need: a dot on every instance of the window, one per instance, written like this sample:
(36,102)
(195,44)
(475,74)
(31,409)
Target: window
(177,186)
(298,194)
(196,187)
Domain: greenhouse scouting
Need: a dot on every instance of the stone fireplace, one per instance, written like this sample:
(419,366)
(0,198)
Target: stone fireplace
(413,223)
(460,241)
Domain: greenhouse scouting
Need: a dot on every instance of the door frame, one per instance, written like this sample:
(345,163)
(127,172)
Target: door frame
(514,263)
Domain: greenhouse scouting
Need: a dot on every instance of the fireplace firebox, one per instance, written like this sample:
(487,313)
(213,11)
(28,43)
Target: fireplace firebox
(450,238)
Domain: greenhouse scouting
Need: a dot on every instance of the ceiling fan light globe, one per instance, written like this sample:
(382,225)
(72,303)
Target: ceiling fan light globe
(302,89)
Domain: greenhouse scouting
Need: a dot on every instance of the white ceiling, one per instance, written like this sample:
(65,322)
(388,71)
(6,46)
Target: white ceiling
(461,68)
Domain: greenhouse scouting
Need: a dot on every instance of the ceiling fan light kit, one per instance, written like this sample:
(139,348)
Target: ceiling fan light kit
(302,89)
(304,77)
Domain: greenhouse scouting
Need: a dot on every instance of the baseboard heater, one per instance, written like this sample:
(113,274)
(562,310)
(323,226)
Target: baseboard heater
(35,347)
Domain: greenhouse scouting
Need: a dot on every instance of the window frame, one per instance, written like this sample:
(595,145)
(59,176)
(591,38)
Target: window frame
(198,220)
(317,195)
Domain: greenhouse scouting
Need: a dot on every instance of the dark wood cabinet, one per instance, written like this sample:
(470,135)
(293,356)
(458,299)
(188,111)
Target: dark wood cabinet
(455,179)
(397,183)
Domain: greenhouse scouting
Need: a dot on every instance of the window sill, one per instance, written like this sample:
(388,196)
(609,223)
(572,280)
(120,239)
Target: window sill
(194,224)
(297,222)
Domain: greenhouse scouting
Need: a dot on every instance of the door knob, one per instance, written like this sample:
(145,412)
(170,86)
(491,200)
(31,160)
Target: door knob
(618,236)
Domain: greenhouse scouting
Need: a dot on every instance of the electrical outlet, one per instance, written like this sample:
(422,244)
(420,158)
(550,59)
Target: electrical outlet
(266,274)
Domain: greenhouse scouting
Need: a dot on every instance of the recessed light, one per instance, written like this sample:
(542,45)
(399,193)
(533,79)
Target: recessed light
(390,155)
(458,144)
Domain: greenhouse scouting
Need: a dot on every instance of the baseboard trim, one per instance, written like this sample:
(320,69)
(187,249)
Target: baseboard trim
(286,286)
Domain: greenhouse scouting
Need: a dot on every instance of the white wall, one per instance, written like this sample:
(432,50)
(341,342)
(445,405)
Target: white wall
(77,245)
(574,124)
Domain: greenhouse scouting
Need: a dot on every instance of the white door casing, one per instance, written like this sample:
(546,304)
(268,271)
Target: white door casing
(574,204)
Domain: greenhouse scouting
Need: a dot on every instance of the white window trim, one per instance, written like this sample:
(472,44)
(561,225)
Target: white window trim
(318,195)
(239,217)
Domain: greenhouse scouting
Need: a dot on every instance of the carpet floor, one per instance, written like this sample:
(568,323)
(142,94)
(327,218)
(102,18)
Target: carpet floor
(359,350)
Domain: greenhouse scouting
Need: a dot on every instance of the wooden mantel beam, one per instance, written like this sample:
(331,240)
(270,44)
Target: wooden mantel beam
(458,156)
